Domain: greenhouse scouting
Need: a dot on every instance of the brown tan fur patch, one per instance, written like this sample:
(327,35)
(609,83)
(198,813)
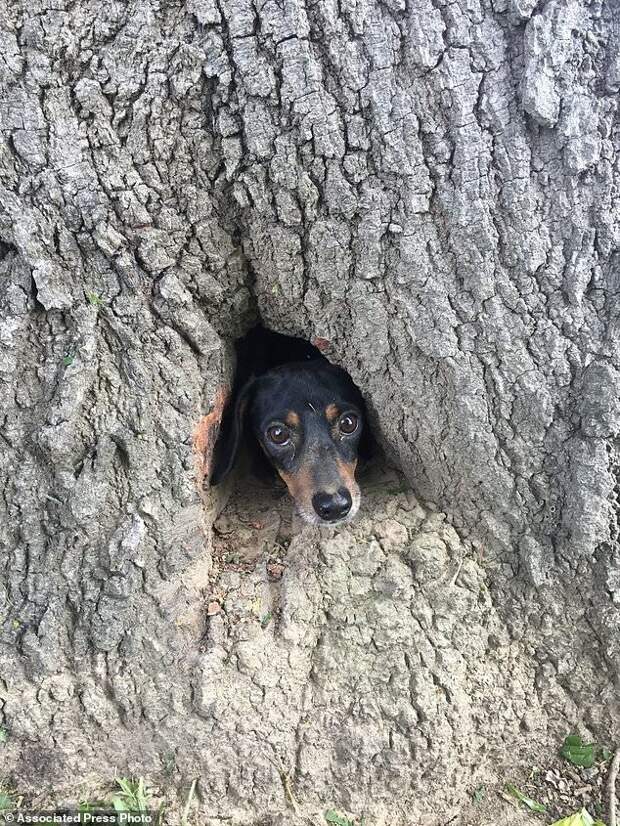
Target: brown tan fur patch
(331,412)
(292,419)
(300,485)
(347,473)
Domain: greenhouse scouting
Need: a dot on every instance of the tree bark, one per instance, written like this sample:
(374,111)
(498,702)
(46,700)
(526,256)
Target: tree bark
(432,189)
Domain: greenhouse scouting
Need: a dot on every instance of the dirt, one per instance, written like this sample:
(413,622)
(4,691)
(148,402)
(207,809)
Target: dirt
(256,528)
(261,554)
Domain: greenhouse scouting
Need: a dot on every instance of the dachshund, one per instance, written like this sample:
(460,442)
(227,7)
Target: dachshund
(308,419)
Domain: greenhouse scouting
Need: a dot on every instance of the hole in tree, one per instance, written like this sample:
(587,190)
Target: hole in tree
(256,353)
(257,520)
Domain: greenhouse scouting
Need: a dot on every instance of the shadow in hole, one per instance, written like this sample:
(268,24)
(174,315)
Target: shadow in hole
(261,350)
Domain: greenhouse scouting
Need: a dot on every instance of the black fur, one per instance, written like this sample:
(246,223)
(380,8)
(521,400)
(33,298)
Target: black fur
(231,434)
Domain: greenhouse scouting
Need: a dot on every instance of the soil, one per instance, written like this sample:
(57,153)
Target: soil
(257,537)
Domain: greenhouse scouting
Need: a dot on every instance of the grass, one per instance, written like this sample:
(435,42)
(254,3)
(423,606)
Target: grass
(87,806)
(8,801)
(188,802)
(336,818)
(94,299)
(132,797)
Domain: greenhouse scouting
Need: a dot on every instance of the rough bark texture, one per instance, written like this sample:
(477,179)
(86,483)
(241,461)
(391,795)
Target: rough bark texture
(432,188)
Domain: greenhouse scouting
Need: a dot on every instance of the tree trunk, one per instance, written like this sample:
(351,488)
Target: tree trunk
(432,189)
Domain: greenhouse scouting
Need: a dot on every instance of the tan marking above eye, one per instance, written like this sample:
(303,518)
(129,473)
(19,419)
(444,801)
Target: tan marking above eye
(292,419)
(331,412)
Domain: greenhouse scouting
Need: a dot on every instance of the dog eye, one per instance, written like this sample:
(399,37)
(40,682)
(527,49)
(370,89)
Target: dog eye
(278,434)
(348,423)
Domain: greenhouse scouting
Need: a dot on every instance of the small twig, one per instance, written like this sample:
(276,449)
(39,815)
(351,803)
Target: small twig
(286,782)
(188,802)
(453,579)
(54,499)
(611,786)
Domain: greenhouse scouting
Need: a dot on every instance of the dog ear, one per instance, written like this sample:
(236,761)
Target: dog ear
(231,432)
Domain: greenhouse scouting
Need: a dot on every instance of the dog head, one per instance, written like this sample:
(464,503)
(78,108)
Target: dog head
(308,419)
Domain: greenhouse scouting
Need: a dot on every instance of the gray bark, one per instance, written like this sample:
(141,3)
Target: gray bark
(431,188)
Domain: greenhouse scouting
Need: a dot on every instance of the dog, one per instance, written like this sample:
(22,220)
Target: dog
(309,420)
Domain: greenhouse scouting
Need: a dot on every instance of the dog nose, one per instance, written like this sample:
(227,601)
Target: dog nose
(332,506)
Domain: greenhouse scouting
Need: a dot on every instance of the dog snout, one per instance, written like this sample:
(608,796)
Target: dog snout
(332,506)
